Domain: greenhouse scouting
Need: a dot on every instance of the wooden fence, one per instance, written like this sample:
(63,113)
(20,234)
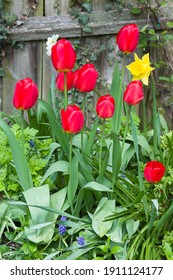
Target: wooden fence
(38,20)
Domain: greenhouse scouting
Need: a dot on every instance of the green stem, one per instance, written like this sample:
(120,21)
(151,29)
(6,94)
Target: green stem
(83,110)
(127,127)
(144,116)
(101,146)
(70,163)
(65,90)
(22,126)
(70,150)
(155,140)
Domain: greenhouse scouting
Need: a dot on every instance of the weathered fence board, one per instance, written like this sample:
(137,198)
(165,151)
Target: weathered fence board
(48,17)
(25,7)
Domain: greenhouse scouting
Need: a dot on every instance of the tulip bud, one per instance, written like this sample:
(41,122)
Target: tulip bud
(60,80)
(133,93)
(85,78)
(154,171)
(25,94)
(63,55)
(127,38)
(72,119)
(105,106)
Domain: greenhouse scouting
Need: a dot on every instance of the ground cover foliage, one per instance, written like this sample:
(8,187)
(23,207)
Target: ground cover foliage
(71,191)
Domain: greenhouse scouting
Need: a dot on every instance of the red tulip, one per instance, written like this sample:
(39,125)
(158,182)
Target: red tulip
(72,119)
(133,93)
(60,80)
(85,78)
(105,106)
(63,55)
(25,94)
(127,38)
(154,171)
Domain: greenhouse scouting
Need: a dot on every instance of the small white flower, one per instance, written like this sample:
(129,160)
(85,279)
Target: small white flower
(50,42)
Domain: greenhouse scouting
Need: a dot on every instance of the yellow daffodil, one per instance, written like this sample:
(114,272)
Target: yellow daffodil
(140,68)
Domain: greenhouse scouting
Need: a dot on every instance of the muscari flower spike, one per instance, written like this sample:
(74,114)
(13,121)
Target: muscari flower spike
(62,228)
(81,240)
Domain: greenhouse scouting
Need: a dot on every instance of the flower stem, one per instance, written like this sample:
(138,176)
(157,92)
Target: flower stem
(126,128)
(65,90)
(101,146)
(70,166)
(155,140)
(83,110)
(144,117)
(22,125)
(70,150)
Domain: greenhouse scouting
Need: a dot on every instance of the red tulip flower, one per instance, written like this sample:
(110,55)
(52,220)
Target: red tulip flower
(85,78)
(154,171)
(105,106)
(133,93)
(72,119)
(25,94)
(63,55)
(127,38)
(60,80)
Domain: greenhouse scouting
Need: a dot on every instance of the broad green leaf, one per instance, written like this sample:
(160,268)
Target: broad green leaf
(19,158)
(77,140)
(59,166)
(39,196)
(53,147)
(93,186)
(131,227)
(116,232)
(105,208)
(143,143)
(42,221)
(128,153)
(42,225)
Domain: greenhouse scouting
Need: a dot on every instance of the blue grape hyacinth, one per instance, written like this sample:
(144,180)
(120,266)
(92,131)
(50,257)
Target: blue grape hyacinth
(62,228)
(81,240)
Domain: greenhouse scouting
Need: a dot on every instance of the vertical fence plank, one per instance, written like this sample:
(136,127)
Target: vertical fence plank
(24,7)
(60,7)
(20,64)
(48,72)
(98,5)
(64,6)
(51,8)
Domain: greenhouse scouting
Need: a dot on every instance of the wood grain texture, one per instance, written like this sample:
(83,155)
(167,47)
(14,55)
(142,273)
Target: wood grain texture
(53,17)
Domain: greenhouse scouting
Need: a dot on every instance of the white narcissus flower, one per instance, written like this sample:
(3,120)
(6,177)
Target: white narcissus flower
(50,42)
